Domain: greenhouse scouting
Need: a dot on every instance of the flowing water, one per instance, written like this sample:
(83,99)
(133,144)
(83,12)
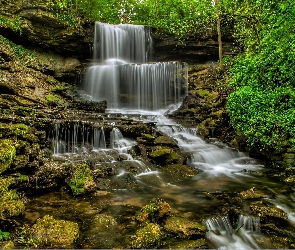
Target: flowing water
(144,91)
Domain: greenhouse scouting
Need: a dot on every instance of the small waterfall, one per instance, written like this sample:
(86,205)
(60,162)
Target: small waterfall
(98,139)
(222,235)
(124,78)
(77,137)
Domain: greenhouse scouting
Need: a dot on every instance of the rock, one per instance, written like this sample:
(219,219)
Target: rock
(261,209)
(290,179)
(191,244)
(50,175)
(147,237)
(55,233)
(154,212)
(251,193)
(7,245)
(10,203)
(81,181)
(7,154)
(102,232)
(178,172)
(184,228)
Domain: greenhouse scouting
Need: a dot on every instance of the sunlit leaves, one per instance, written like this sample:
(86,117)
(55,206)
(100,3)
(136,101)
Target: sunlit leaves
(263,104)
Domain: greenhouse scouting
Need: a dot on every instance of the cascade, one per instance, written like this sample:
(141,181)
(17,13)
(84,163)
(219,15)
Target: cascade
(77,137)
(121,75)
(221,233)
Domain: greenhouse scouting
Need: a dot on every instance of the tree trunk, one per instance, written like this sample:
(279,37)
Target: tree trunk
(219,35)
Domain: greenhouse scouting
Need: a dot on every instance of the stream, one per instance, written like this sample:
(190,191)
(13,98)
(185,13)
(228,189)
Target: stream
(230,193)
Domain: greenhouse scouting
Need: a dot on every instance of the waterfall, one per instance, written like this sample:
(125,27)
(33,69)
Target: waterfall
(132,43)
(222,235)
(124,78)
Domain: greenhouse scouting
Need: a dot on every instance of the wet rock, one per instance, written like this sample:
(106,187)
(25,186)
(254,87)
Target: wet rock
(178,172)
(269,214)
(99,107)
(154,212)
(102,232)
(55,233)
(252,193)
(147,237)
(81,180)
(191,244)
(184,228)
(50,175)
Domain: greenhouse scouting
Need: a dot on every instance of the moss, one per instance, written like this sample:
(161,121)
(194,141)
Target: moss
(165,140)
(184,228)
(147,136)
(7,154)
(10,203)
(20,161)
(81,181)
(263,210)
(54,100)
(160,152)
(55,233)
(104,222)
(148,237)
(7,245)
(154,212)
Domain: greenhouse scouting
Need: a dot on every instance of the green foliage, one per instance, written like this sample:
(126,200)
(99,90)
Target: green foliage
(4,235)
(263,103)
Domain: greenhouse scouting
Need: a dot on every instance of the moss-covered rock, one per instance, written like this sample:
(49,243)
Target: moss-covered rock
(267,211)
(165,155)
(10,203)
(81,181)
(154,212)
(147,237)
(7,154)
(184,228)
(55,233)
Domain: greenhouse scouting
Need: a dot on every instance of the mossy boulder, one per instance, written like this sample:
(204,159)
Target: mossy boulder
(164,155)
(184,228)
(266,211)
(154,212)
(147,237)
(10,203)
(55,233)
(81,181)
(7,154)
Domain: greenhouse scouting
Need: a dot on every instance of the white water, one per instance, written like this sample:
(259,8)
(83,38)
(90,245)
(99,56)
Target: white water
(222,235)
